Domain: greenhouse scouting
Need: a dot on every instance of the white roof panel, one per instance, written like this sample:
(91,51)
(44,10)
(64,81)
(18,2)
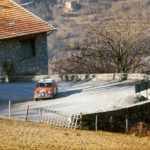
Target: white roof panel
(46,81)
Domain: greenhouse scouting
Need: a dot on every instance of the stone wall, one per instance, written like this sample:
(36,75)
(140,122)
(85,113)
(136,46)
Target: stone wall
(80,77)
(10,51)
(116,120)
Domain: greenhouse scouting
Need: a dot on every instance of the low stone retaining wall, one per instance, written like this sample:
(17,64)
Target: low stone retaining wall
(2,79)
(77,77)
(117,120)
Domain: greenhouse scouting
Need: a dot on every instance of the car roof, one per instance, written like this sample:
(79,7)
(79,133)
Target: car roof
(46,81)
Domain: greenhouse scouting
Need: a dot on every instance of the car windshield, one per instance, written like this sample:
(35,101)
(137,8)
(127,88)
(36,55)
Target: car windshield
(44,85)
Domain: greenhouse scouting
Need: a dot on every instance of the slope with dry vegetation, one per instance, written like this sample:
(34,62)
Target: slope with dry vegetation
(121,55)
(15,134)
(68,23)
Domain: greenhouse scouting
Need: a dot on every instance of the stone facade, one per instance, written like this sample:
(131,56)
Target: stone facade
(10,51)
(79,77)
(118,120)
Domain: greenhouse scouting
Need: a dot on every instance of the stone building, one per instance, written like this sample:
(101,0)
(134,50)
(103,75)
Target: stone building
(71,5)
(23,41)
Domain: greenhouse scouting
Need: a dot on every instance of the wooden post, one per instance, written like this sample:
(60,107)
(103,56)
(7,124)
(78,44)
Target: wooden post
(73,121)
(140,128)
(147,93)
(9,109)
(40,112)
(111,126)
(76,120)
(96,122)
(127,126)
(27,113)
(6,79)
(81,120)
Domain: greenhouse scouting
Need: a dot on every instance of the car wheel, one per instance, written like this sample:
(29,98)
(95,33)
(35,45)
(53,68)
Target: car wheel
(36,99)
(53,96)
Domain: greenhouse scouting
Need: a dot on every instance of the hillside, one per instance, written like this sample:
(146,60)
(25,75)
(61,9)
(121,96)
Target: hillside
(18,135)
(68,22)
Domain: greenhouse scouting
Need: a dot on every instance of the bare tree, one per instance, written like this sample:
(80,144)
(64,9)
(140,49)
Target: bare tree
(118,44)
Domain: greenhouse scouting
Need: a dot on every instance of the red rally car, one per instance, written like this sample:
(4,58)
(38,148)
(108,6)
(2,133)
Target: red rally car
(45,89)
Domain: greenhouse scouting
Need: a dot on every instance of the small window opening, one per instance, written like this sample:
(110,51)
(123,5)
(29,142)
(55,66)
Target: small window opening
(28,48)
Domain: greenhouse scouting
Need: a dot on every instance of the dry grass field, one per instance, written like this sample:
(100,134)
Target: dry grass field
(17,135)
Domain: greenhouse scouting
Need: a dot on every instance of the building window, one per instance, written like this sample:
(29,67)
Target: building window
(28,48)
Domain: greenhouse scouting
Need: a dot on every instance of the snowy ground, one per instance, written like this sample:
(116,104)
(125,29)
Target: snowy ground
(85,97)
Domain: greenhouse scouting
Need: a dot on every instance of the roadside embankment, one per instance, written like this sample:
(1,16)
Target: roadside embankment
(120,120)
(19,135)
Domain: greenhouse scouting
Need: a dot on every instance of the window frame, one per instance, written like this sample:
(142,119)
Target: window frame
(32,42)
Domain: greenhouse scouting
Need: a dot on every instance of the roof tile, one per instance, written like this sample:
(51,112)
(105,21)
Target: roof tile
(16,21)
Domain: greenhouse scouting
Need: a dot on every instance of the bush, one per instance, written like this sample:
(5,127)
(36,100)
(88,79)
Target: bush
(140,129)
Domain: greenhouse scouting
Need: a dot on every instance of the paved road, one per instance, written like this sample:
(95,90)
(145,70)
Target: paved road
(85,97)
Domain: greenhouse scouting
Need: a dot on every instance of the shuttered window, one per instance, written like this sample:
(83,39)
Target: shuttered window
(28,48)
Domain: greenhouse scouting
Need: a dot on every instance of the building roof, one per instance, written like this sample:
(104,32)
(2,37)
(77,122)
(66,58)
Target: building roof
(17,21)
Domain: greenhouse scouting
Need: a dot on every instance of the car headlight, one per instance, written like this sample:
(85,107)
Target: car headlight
(49,92)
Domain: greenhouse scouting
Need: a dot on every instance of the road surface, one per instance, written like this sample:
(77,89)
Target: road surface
(73,98)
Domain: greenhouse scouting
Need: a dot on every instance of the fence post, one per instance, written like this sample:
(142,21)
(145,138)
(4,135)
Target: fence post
(40,111)
(81,120)
(9,109)
(96,122)
(27,113)
(111,125)
(140,128)
(127,126)
(147,93)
